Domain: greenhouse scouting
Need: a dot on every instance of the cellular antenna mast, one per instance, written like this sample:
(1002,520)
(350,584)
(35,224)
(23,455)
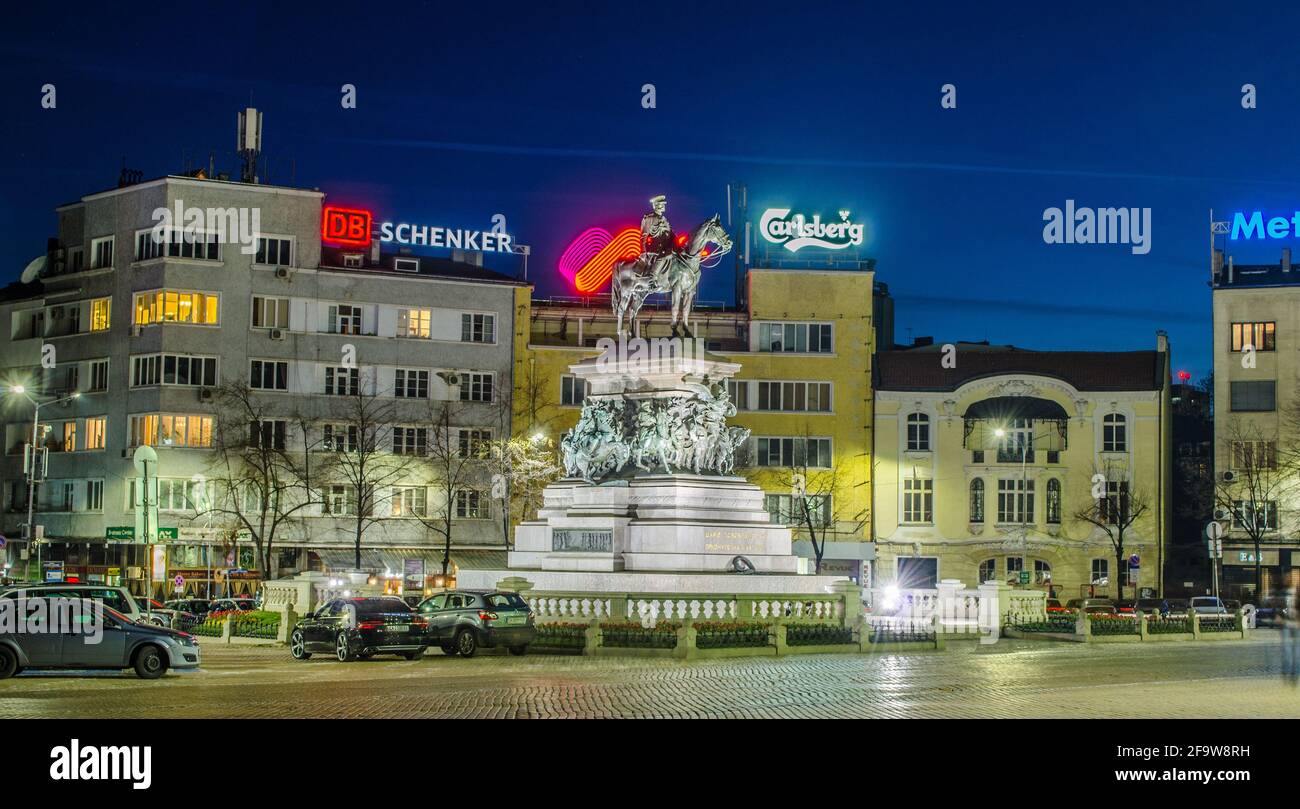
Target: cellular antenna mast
(249,143)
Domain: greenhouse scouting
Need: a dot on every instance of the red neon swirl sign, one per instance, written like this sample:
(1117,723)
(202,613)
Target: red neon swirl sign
(588,262)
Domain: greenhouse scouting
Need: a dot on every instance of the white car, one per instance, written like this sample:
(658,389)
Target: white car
(116,597)
(1208,605)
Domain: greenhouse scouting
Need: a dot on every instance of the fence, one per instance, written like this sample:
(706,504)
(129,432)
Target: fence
(1111,628)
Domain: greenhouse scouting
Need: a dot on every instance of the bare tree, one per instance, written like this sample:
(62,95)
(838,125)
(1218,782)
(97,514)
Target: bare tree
(521,468)
(1115,506)
(1257,480)
(455,465)
(261,467)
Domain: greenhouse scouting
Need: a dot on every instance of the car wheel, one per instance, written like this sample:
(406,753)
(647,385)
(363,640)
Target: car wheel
(150,662)
(519,651)
(8,663)
(466,643)
(416,655)
(448,650)
(341,649)
(298,646)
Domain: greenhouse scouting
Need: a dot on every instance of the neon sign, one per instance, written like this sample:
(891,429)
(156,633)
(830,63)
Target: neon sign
(588,262)
(1279,227)
(346,226)
(798,231)
(454,238)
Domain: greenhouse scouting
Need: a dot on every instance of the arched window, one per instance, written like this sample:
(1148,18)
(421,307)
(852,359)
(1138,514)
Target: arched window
(1042,572)
(977,501)
(988,570)
(1114,433)
(918,432)
(1054,501)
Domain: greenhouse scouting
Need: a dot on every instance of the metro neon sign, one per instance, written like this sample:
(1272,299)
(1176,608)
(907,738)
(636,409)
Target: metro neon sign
(1279,227)
(588,262)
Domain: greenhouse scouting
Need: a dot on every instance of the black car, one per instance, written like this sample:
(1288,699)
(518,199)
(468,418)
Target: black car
(460,621)
(360,628)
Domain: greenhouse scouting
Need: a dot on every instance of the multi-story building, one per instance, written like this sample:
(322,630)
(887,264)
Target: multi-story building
(985,457)
(805,342)
(1256,424)
(148,331)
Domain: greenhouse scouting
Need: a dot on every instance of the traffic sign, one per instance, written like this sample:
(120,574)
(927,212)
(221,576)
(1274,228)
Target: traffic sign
(1024,577)
(1134,560)
(179,581)
(3,541)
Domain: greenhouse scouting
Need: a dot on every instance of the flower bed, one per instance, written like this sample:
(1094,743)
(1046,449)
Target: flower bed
(208,628)
(255,625)
(1168,626)
(730,634)
(817,635)
(1218,623)
(631,635)
(561,636)
(1053,623)
(1113,625)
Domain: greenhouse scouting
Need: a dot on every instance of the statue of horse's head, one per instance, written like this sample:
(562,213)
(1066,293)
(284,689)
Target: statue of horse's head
(709,231)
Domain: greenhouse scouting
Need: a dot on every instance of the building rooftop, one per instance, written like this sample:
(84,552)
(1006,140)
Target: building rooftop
(1235,276)
(921,369)
(430,267)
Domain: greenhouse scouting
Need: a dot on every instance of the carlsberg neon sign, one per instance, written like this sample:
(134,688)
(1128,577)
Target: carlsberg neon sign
(795,232)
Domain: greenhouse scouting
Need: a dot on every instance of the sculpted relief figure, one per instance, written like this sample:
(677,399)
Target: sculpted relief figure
(595,446)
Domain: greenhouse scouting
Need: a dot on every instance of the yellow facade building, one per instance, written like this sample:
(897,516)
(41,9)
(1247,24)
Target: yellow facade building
(805,342)
(986,457)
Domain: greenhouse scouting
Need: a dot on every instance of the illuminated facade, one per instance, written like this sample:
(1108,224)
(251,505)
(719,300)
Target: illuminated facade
(984,462)
(805,343)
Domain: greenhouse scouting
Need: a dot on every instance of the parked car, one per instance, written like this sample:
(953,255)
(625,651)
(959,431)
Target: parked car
(197,607)
(1126,606)
(1098,606)
(1208,605)
(115,597)
(360,628)
(1273,610)
(1152,607)
(225,606)
(123,643)
(460,621)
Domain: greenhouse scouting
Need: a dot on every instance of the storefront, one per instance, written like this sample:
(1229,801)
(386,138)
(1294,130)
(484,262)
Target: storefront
(407,571)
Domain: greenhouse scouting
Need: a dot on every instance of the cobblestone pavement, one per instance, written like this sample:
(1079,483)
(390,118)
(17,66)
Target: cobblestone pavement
(1007,679)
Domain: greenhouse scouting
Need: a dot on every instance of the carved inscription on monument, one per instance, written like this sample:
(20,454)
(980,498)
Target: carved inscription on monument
(582,540)
(729,541)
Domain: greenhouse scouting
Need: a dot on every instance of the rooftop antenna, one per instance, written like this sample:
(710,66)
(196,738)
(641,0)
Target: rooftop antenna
(249,143)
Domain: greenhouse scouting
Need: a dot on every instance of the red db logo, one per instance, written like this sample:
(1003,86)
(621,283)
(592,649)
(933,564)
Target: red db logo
(347,226)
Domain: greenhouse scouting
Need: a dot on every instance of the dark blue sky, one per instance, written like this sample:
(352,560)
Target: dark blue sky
(533,110)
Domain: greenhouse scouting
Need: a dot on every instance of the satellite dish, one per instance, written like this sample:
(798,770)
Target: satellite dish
(33,269)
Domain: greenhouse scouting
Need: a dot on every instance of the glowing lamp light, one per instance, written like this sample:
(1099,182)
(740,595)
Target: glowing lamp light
(892,598)
(681,240)
(1183,376)
(588,262)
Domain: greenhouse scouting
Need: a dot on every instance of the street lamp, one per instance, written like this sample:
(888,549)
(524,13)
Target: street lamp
(21,390)
(1024,485)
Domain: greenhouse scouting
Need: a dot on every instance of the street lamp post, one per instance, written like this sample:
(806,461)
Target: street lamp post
(1024,488)
(31,472)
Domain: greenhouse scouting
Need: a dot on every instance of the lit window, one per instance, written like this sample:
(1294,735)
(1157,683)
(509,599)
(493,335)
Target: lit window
(99,312)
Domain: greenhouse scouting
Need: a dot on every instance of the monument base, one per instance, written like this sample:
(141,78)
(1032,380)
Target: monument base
(554,581)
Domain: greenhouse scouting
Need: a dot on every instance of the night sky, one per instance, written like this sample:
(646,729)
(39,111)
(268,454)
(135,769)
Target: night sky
(534,110)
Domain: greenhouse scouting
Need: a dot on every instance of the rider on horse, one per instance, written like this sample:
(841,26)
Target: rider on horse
(657,247)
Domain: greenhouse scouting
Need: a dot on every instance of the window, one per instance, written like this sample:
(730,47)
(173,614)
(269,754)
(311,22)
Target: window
(918,500)
(738,392)
(274,251)
(988,570)
(1100,571)
(470,505)
(411,384)
(1254,516)
(342,381)
(270,313)
(977,456)
(473,443)
(1259,336)
(94,495)
(99,314)
(477,328)
(166,306)
(572,390)
(184,494)
(815,452)
(794,337)
(173,369)
(787,509)
(406,264)
(341,500)
(267,433)
(96,432)
(98,376)
(341,437)
(1114,433)
(345,319)
(177,243)
(410,441)
(101,252)
(812,397)
(1113,508)
(1017,442)
(1254,455)
(415,323)
(918,432)
(269,375)
(1042,572)
(1258,397)
(475,387)
(408,501)
(76,259)
(1054,502)
(1015,500)
(1015,564)
(69,442)
(977,502)
(170,430)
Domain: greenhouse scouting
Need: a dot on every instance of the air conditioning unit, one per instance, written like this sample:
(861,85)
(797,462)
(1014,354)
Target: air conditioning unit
(1221,514)
(281,272)
(450,377)
(278,334)
(1228,476)
(205,394)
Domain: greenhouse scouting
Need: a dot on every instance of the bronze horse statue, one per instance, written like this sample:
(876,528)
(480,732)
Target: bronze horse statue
(677,272)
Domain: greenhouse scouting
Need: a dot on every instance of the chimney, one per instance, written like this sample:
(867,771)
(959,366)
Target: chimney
(1286,259)
(1162,341)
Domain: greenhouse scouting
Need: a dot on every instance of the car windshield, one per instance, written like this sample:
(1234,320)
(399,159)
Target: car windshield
(379,606)
(510,600)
